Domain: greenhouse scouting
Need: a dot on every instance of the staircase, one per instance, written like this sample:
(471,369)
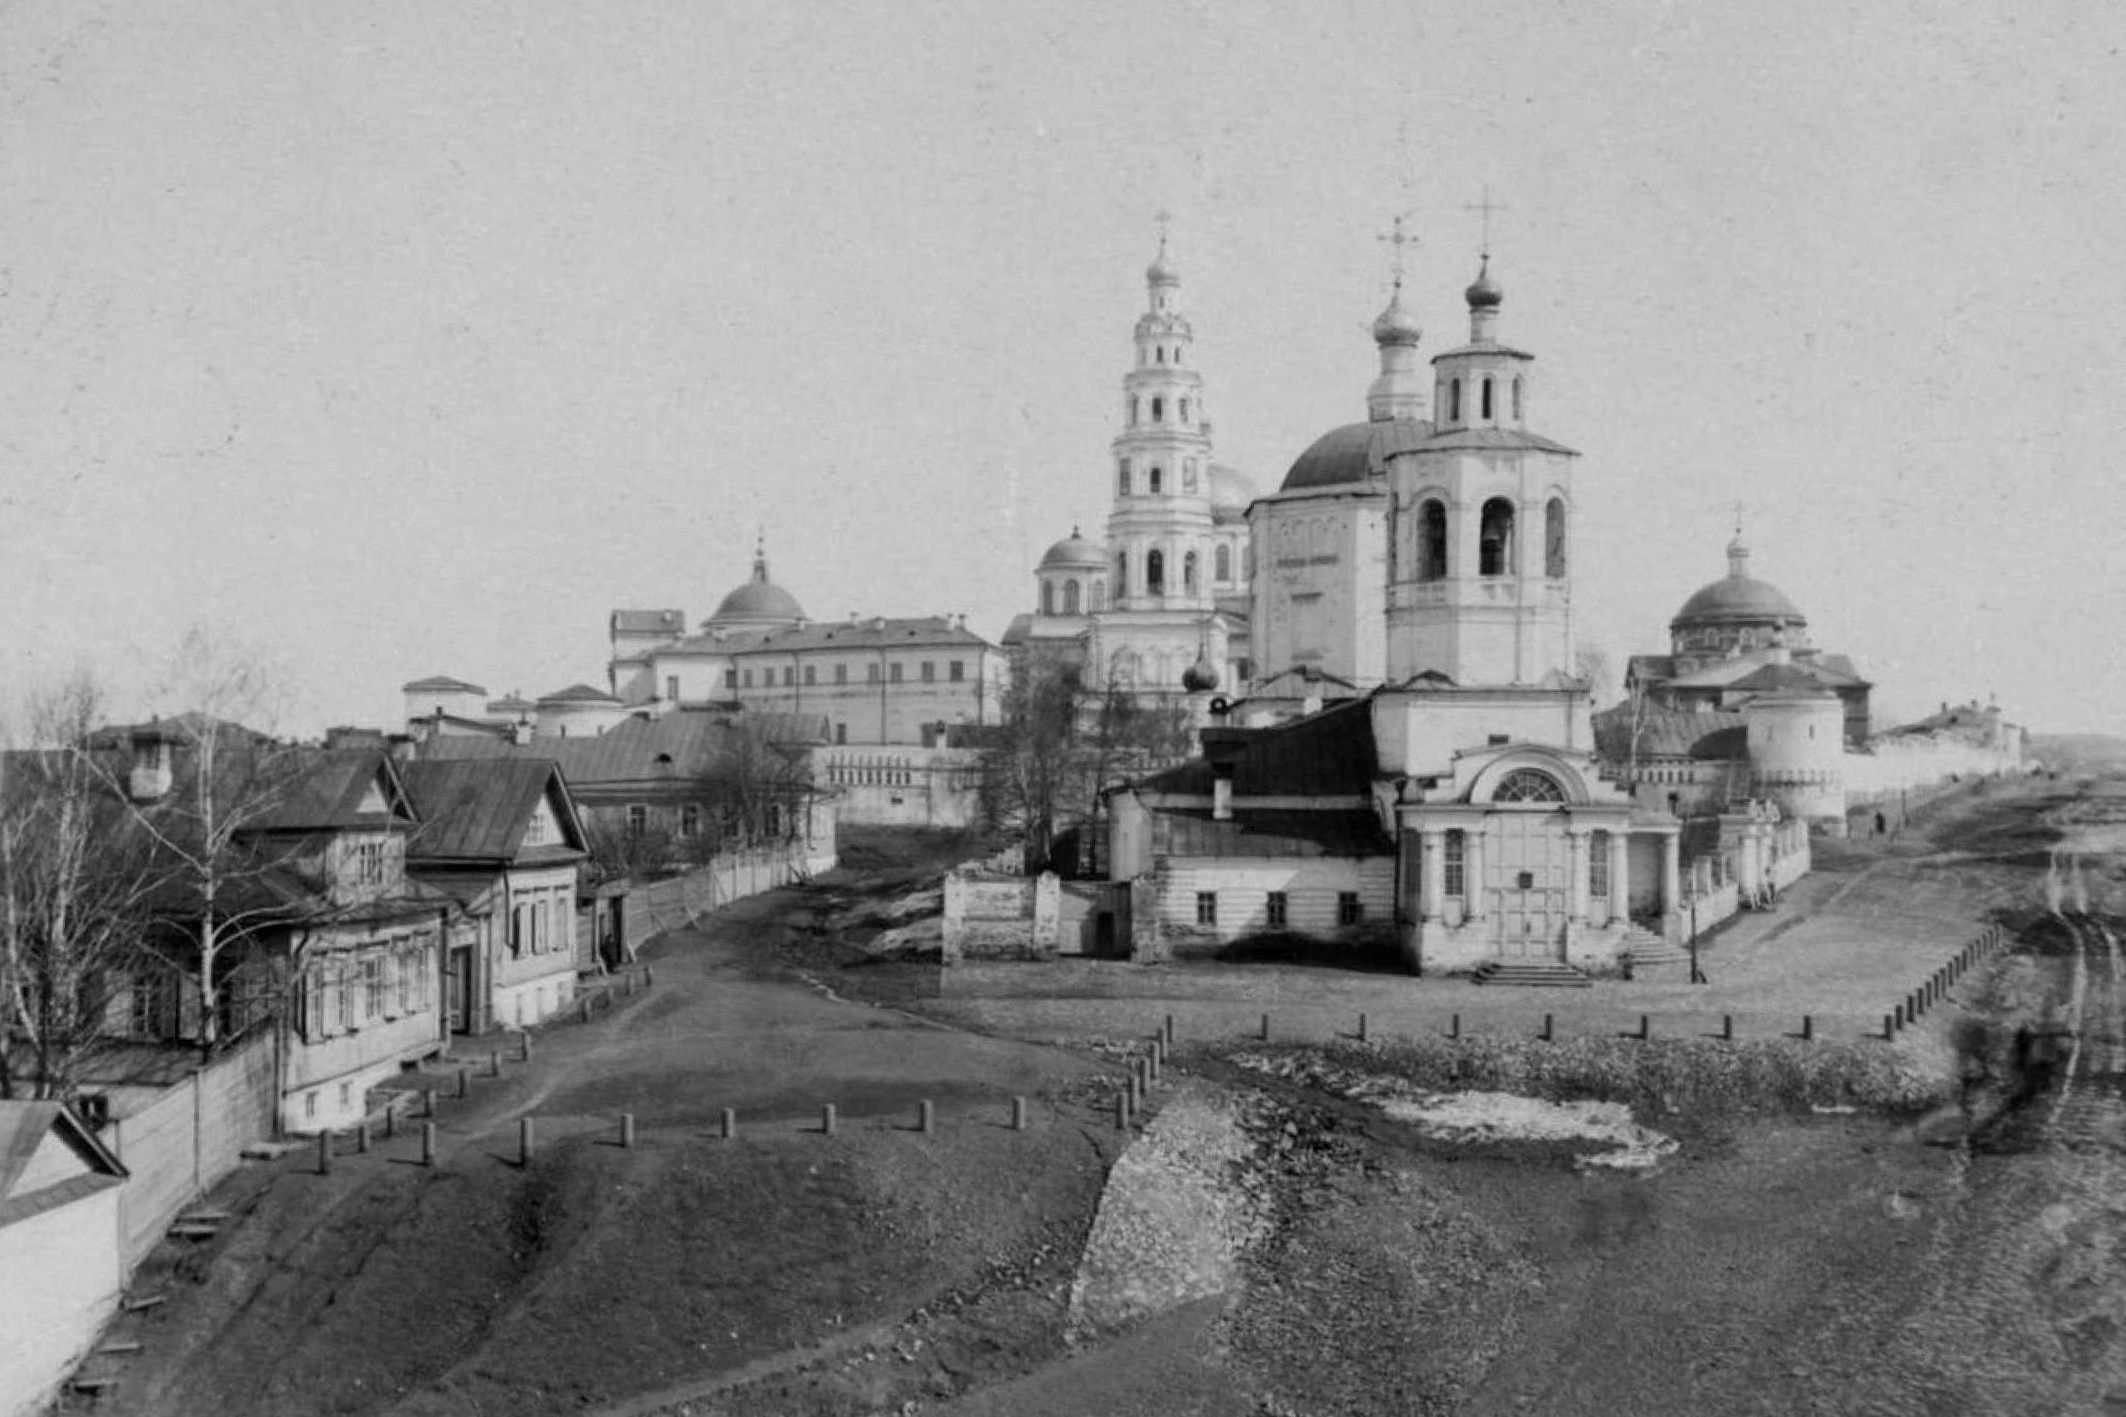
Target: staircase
(1643,949)
(1551,974)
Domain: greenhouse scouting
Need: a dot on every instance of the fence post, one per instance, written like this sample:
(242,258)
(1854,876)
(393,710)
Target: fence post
(361,1136)
(464,1083)
(627,1131)
(1547,1024)
(1727,1028)
(1808,1028)
(1361,1027)
(524,1046)
(1454,1027)
(324,1153)
(1646,1027)
(730,1123)
(1169,1030)
(428,1143)
(826,1119)
(925,1118)
(1265,1028)
(1122,1111)
(494,1062)
(1018,1114)
(428,1102)
(527,1141)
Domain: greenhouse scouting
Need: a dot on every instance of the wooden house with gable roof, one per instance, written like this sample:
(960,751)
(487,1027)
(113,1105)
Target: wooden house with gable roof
(503,839)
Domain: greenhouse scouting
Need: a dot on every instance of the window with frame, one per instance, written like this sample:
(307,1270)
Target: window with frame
(811,675)
(1528,785)
(1206,907)
(871,675)
(690,820)
(517,929)
(930,671)
(746,679)
(789,675)
(405,965)
(730,678)
(346,1000)
(1276,909)
(671,687)
(841,673)
(893,673)
(369,863)
(1348,909)
(1453,861)
(956,671)
(1598,864)
(638,818)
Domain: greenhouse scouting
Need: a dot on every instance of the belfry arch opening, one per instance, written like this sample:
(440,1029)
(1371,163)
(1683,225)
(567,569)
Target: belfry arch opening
(1432,541)
(1554,539)
(1494,542)
(1070,597)
(1155,573)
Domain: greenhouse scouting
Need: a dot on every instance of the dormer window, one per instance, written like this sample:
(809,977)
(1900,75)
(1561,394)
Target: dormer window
(369,863)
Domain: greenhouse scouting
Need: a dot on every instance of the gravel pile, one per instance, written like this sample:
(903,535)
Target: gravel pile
(1175,1219)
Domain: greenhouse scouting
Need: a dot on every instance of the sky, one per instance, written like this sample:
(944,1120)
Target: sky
(400,339)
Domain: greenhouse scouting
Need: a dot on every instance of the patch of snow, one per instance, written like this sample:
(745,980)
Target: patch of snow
(1489,1117)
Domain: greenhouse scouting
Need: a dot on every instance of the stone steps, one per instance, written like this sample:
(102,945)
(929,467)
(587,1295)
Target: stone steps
(1550,974)
(1646,950)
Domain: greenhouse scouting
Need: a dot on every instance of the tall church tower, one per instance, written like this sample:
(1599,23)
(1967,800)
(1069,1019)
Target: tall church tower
(1159,533)
(1481,586)
(1163,632)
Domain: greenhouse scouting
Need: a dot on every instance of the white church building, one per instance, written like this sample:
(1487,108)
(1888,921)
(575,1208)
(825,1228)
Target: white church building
(1453,805)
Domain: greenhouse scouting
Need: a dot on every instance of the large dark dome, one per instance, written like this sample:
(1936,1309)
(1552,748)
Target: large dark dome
(1342,455)
(1738,598)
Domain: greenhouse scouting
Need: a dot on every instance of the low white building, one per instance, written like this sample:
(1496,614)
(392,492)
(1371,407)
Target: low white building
(59,1226)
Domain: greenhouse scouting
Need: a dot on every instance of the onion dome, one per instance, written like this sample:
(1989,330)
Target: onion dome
(759,603)
(1162,270)
(1200,677)
(1397,325)
(1074,553)
(1484,292)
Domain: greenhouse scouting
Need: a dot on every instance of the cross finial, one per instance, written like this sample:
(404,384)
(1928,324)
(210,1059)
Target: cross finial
(1165,219)
(1487,207)
(1738,519)
(1399,239)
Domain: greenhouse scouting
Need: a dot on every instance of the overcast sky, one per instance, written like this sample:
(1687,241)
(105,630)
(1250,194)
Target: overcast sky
(408,337)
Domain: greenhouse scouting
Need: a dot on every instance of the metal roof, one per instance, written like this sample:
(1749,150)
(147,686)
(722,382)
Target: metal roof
(477,809)
(441,684)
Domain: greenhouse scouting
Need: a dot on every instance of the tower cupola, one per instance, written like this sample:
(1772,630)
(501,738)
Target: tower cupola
(1484,297)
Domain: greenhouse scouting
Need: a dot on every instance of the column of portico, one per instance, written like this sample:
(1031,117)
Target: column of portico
(1671,878)
(1473,891)
(1435,872)
(1619,876)
(1576,887)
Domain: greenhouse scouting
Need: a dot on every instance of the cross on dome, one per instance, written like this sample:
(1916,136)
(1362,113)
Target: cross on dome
(1399,239)
(1487,207)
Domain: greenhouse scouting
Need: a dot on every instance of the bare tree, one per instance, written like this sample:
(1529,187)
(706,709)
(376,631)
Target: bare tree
(225,781)
(73,894)
(1037,766)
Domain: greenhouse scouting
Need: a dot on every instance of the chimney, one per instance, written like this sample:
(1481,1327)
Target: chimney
(1221,799)
(150,778)
(520,732)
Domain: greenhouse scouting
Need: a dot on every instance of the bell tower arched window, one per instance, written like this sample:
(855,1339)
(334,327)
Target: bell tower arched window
(1516,398)
(1222,563)
(1454,401)
(1121,574)
(1157,479)
(1155,572)
(1135,407)
(1554,539)
(1184,410)
(1122,478)
(1158,409)
(1432,541)
(1486,414)
(1048,597)
(1070,597)
(1188,573)
(1494,544)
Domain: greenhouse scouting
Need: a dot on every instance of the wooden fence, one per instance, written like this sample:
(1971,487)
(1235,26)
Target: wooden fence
(180,1144)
